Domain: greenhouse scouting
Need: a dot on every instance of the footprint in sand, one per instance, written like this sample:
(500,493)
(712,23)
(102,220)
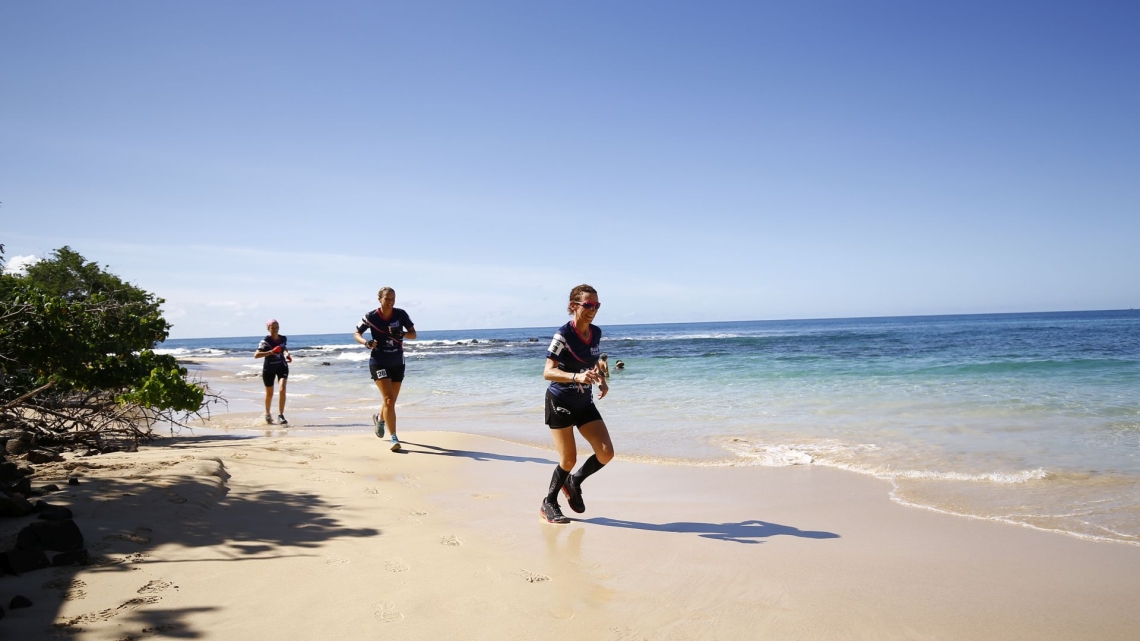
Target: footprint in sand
(109,613)
(332,559)
(155,586)
(418,513)
(532,577)
(387,612)
(239,455)
(312,456)
(407,480)
(396,566)
(451,541)
(70,589)
(481,496)
(140,535)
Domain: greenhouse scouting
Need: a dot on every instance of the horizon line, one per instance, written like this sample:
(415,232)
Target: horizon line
(767,320)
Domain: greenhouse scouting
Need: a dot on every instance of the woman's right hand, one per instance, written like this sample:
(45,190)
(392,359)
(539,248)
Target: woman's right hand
(589,377)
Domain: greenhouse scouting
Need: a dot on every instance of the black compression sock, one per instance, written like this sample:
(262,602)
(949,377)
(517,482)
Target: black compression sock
(556,482)
(589,467)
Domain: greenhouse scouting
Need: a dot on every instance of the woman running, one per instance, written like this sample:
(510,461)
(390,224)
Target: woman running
(571,368)
(276,366)
(390,327)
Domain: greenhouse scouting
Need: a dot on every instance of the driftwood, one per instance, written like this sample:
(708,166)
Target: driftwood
(93,420)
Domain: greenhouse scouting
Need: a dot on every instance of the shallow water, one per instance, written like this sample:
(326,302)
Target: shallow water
(1029,418)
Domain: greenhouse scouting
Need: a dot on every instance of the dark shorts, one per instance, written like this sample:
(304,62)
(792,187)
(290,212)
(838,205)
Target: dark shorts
(270,374)
(393,372)
(560,414)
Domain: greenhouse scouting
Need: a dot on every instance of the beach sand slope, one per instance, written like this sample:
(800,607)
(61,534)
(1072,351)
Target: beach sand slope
(336,537)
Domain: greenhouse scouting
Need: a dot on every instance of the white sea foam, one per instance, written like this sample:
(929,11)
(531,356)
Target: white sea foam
(354,356)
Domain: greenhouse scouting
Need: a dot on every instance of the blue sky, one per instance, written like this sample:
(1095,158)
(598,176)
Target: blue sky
(695,161)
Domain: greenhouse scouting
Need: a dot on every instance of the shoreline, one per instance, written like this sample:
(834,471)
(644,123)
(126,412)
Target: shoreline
(322,536)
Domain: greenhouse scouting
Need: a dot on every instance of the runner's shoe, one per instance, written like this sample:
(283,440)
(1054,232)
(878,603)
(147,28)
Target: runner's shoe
(573,492)
(268,420)
(395,443)
(379,423)
(281,419)
(552,513)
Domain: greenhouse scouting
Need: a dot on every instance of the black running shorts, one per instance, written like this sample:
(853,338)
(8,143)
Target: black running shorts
(270,374)
(560,414)
(393,372)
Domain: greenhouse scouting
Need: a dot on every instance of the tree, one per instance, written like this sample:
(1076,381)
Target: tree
(77,364)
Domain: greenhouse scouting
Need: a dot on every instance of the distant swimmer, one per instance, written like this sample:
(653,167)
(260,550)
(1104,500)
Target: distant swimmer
(571,368)
(619,365)
(390,327)
(275,367)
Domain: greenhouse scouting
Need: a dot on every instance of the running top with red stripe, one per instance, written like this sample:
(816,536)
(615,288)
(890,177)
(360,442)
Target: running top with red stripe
(574,355)
(272,360)
(388,334)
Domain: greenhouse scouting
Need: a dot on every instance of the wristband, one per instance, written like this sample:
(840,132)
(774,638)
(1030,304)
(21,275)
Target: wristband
(573,378)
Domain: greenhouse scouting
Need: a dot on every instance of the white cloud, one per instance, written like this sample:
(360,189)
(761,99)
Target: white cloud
(20,264)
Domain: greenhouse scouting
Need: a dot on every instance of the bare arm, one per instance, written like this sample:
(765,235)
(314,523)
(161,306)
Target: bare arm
(359,338)
(410,335)
(555,375)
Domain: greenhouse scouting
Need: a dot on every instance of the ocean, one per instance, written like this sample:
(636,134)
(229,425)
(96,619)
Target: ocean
(1030,419)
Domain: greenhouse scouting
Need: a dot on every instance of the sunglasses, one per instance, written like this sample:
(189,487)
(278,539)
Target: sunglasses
(589,306)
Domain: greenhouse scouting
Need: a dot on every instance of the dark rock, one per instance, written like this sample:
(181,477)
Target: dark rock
(21,561)
(9,471)
(20,444)
(50,487)
(23,486)
(75,557)
(19,602)
(73,481)
(49,512)
(326,363)
(24,469)
(40,455)
(61,536)
(15,506)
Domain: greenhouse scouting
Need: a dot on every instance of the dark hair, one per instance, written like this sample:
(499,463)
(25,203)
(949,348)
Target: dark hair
(604,356)
(380,294)
(576,292)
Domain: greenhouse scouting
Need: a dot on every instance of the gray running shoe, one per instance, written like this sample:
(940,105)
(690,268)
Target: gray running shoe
(281,419)
(379,423)
(395,443)
(268,419)
(552,513)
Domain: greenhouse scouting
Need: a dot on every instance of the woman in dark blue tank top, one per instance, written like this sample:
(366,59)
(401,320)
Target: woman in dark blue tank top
(572,368)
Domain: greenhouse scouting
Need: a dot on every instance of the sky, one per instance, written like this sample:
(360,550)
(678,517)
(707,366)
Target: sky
(694,161)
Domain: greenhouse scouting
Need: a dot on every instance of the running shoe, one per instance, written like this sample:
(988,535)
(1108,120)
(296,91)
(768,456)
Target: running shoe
(552,513)
(281,419)
(268,419)
(379,423)
(573,492)
(395,443)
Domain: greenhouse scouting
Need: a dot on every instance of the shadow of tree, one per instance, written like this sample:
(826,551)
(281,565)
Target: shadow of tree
(184,510)
(477,456)
(741,532)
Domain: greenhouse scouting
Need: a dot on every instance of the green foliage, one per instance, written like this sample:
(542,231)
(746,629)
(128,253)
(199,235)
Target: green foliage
(69,322)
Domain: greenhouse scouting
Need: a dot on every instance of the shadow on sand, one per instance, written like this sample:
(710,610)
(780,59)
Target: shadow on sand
(253,525)
(742,532)
(473,455)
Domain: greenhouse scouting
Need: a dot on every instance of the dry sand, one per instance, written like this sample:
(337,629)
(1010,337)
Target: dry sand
(338,538)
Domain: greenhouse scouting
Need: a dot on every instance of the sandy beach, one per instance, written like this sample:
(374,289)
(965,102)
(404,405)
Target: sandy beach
(294,537)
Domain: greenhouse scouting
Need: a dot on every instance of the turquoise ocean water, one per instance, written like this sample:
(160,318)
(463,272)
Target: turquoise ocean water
(1032,419)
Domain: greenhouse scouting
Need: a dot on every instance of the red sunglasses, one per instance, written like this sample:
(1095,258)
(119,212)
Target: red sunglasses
(590,306)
